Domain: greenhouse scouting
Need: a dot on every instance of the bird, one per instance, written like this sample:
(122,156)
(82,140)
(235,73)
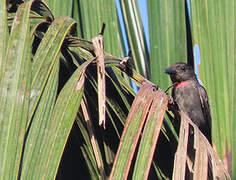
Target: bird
(190,96)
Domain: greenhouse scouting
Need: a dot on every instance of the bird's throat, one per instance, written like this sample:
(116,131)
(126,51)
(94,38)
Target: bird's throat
(181,84)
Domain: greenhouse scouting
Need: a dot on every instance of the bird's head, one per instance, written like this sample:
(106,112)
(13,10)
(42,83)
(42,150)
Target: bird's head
(180,71)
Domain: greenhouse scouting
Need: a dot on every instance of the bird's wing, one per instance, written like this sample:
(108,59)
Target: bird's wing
(205,105)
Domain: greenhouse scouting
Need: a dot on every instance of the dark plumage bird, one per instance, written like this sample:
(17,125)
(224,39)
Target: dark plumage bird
(190,96)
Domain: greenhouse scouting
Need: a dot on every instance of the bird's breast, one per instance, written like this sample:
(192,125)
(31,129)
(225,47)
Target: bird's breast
(187,97)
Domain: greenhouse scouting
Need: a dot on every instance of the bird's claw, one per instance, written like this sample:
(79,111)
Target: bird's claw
(170,99)
(172,106)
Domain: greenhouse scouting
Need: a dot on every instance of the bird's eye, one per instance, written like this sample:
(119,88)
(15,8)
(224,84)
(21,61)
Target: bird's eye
(182,68)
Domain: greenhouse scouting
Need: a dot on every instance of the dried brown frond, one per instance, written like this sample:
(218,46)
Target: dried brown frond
(201,159)
(98,45)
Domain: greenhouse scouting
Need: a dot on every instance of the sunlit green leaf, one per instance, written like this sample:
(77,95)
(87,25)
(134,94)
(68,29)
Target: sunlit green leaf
(14,94)
(39,125)
(92,15)
(167,37)
(53,137)
(3,34)
(45,57)
(136,38)
(60,7)
(212,34)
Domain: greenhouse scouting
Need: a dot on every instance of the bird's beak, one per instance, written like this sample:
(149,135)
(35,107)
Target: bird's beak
(170,71)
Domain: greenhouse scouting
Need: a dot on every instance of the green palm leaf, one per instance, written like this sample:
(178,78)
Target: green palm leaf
(14,92)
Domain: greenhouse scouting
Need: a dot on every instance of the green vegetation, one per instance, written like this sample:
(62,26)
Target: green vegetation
(49,88)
